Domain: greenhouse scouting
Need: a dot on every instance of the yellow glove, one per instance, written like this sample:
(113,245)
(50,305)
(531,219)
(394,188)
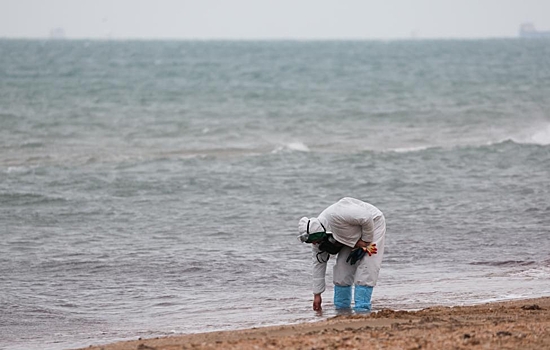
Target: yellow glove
(371,249)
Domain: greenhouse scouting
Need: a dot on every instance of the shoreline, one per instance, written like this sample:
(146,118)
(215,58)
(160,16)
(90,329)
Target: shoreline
(514,324)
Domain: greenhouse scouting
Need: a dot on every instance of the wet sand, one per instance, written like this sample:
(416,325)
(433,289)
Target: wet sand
(519,324)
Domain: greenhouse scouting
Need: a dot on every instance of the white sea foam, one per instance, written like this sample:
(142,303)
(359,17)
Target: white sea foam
(537,136)
(292,146)
(542,136)
(298,146)
(409,149)
(501,298)
(16,169)
(539,272)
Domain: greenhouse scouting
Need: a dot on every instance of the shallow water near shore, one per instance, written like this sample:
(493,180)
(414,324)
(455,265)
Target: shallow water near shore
(154,188)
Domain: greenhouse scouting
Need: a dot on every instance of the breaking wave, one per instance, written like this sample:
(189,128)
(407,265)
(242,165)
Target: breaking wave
(539,136)
(292,146)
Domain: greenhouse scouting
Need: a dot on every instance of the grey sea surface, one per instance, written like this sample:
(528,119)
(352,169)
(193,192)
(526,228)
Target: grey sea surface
(150,188)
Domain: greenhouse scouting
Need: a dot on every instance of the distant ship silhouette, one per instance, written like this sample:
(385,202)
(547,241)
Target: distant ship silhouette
(528,30)
(57,33)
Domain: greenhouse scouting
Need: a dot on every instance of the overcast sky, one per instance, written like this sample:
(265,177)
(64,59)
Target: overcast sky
(270,19)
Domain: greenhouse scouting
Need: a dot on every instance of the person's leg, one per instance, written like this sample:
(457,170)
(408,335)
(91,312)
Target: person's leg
(342,297)
(368,270)
(343,274)
(363,295)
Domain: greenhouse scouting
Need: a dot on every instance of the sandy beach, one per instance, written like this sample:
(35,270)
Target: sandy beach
(518,324)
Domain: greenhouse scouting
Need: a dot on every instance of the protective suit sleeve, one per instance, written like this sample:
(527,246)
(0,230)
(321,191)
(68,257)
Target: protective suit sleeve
(367,229)
(319,261)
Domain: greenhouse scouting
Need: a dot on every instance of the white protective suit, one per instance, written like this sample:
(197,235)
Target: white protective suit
(349,220)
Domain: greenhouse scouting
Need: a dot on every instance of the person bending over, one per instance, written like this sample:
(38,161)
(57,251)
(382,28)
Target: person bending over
(354,231)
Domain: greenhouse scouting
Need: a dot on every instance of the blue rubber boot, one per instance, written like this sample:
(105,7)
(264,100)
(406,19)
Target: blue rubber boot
(363,295)
(342,297)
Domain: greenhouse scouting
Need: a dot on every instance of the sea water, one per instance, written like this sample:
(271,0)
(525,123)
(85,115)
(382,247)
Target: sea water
(150,188)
